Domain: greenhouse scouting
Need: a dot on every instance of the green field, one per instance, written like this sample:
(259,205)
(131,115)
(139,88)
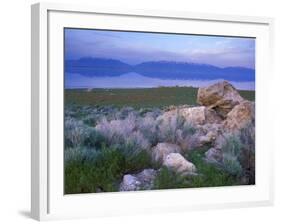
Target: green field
(148,97)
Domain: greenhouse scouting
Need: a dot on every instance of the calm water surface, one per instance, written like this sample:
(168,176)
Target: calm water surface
(135,80)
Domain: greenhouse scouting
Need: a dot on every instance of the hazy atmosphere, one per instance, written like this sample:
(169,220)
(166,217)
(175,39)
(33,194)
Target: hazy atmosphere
(136,47)
(106,59)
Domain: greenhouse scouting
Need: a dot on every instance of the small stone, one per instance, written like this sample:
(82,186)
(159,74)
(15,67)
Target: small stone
(129,183)
(178,163)
(143,180)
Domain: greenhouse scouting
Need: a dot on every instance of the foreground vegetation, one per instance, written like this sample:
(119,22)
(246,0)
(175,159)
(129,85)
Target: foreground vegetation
(104,143)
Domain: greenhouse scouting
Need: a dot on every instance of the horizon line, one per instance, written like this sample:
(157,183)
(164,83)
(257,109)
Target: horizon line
(180,62)
(158,87)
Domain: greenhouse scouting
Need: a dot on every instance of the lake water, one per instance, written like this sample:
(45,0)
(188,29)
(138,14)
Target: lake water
(135,80)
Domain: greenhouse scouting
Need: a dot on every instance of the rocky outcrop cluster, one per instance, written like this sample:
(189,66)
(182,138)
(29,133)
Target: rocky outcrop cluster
(236,113)
(222,111)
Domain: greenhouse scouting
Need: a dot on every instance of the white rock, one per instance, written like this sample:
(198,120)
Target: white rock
(143,180)
(161,150)
(129,183)
(178,163)
(198,115)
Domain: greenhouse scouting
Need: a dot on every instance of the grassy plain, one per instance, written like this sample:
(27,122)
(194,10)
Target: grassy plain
(138,98)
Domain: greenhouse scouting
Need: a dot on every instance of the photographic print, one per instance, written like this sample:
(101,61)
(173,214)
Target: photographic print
(152,111)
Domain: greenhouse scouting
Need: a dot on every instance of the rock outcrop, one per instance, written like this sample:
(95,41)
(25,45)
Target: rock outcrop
(194,115)
(200,115)
(221,97)
(238,120)
(240,116)
(179,164)
(223,113)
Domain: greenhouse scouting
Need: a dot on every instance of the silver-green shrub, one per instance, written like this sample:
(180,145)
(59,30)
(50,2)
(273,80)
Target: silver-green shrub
(75,132)
(123,132)
(168,126)
(231,151)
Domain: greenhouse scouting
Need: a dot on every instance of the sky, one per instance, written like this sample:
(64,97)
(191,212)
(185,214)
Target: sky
(137,47)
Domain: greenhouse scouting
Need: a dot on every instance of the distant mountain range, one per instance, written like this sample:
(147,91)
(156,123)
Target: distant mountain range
(91,67)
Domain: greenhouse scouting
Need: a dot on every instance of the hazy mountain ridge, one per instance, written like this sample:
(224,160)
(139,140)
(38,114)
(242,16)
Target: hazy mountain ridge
(157,69)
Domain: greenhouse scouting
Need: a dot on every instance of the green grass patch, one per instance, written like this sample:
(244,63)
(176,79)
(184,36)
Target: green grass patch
(209,175)
(101,170)
(139,98)
(96,174)
(168,179)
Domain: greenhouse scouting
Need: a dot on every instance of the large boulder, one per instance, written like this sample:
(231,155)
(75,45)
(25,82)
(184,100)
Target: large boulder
(198,115)
(179,164)
(143,180)
(161,150)
(241,116)
(221,97)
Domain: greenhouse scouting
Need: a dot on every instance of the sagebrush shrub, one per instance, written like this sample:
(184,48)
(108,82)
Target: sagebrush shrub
(247,157)
(149,128)
(137,139)
(91,120)
(75,132)
(125,112)
(123,132)
(167,127)
(247,137)
(231,151)
(80,154)
(232,145)
(116,127)
(232,165)
(94,138)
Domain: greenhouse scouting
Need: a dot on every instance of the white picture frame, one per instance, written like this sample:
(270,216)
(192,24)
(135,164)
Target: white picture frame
(47,198)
